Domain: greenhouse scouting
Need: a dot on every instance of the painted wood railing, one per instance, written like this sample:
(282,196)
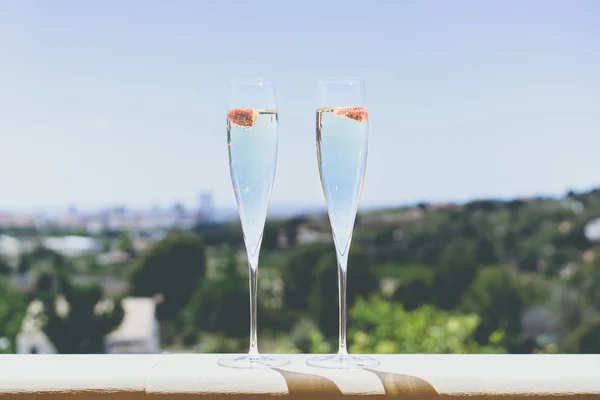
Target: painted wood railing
(196,376)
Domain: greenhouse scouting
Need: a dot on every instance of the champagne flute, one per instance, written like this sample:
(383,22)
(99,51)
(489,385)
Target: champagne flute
(252,135)
(342,142)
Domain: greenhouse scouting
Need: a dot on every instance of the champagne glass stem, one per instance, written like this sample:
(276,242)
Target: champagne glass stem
(342,278)
(253,267)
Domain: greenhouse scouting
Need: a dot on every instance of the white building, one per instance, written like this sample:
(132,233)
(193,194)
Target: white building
(138,333)
(73,246)
(592,230)
(305,235)
(31,339)
(11,248)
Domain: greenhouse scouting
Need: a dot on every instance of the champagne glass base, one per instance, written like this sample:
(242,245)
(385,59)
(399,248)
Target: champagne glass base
(254,361)
(338,361)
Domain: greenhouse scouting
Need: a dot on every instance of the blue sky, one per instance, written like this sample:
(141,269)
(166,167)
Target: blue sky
(106,102)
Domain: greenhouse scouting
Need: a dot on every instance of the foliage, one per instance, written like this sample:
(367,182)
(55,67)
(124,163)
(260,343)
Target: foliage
(5,268)
(569,306)
(173,267)
(499,298)
(415,288)
(587,280)
(427,258)
(125,244)
(485,251)
(298,275)
(379,326)
(455,273)
(288,229)
(305,337)
(220,304)
(225,234)
(12,310)
(50,257)
(25,263)
(45,282)
(76,318)
(291,229)
(585,339)
(361,281)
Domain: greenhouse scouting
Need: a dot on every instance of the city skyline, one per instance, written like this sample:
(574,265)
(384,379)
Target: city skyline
(111,103)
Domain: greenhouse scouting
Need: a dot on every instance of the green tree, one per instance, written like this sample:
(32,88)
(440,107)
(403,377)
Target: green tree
(76,318)
(361,281)
(586,280)
(173,267)
(514,206)
(528,260)
(559,257)
(569,307)
(220,304)
(455,273)
(585,339)
(298,274)
(270,239)
(291,229)
(125,244)
(498,297)
(214,235)
(5,268)
(48,257)
(25,263)
(415,288)
(380,327)
(45,282)
(485,251)
(12,311)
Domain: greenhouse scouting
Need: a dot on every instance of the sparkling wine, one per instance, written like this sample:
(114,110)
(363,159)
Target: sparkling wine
(252,138)
(342,141)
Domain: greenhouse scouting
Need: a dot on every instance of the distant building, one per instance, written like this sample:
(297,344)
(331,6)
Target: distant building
(72,210)
(11,248)
(206,208)
(592,230)
(282,240)
(113,258)
(73,246)
(179,211)
(305,235)
(32,339)
(138,333)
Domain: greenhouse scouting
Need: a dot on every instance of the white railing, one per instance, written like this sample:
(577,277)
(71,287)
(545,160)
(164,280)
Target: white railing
(399,376)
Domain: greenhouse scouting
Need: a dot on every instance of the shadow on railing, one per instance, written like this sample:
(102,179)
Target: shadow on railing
(315,386)
(395,386)
(405,386)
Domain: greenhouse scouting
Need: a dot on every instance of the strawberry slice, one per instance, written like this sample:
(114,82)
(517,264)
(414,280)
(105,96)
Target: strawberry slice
(244,117)
(359,114)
